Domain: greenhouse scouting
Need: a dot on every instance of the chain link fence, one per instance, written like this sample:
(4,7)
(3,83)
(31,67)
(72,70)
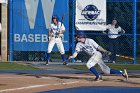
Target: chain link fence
(122,10)
(138,32)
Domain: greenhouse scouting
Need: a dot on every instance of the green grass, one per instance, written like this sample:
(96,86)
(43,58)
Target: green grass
(15,66)
(114,66)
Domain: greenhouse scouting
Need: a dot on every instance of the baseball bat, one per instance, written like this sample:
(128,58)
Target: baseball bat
(125,57)
(63,17)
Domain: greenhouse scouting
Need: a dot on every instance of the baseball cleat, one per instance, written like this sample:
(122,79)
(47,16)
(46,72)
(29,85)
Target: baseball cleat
(47,63)
(113,62)
(65,63)
(37,76)
(125,74)
(98,78)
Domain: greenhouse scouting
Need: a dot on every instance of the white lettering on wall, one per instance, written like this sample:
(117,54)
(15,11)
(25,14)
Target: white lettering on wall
(30,38)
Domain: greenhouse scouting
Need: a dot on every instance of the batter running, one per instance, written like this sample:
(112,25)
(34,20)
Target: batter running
(94,50)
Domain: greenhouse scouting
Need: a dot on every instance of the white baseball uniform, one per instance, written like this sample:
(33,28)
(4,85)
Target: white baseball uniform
(91,48)
(113,30)
(56,37)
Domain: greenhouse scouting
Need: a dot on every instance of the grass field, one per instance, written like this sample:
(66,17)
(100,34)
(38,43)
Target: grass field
(15,66)
(114,66)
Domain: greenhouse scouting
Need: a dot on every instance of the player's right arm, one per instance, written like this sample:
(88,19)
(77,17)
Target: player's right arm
(50,30)
(107,29)
(77,50)
(74,55)
(49,33)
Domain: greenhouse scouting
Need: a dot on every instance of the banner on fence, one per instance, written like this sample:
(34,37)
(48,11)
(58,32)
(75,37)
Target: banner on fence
(90,15)
(31,20)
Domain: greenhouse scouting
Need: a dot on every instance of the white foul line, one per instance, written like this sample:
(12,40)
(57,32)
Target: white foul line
(24,77)
(37,86)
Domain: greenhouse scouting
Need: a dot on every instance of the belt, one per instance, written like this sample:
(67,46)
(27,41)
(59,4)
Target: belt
(56,36)
(90,54)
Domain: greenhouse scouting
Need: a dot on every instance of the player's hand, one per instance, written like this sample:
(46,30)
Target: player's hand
(107,52)
(57,33)
(70,57)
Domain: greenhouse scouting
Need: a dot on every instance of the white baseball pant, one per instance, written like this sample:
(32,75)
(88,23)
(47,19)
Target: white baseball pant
(97,59)
(59,44)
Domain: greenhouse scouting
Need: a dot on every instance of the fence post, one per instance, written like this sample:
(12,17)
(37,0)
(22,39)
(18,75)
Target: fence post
(4,36)
(73,26)
(134,30)
(11,31)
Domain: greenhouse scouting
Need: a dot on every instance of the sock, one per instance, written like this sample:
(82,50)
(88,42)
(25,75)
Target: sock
(45,56)
(48,56)
(93,70)
(114,71)
(63,57)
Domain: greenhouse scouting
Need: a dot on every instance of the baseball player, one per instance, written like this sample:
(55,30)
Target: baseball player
(113,30)
(94,50)
(56,32)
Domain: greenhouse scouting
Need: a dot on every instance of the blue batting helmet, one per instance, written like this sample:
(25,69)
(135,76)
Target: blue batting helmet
(81,34)
(55,17)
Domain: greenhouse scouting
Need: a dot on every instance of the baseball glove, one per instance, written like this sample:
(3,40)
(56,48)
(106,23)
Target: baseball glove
(57,33)
(106,54)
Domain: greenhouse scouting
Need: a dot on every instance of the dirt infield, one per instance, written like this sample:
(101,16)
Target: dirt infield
(58,77)
(13,83)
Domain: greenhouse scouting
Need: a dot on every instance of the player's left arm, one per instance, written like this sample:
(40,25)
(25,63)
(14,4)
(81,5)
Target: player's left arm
(122,31)
(101,49)
(62,29)
(104,50)
(98,47)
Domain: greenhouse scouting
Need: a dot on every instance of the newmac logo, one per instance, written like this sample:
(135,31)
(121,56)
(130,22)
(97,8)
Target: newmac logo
(90,12)
(32,6)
